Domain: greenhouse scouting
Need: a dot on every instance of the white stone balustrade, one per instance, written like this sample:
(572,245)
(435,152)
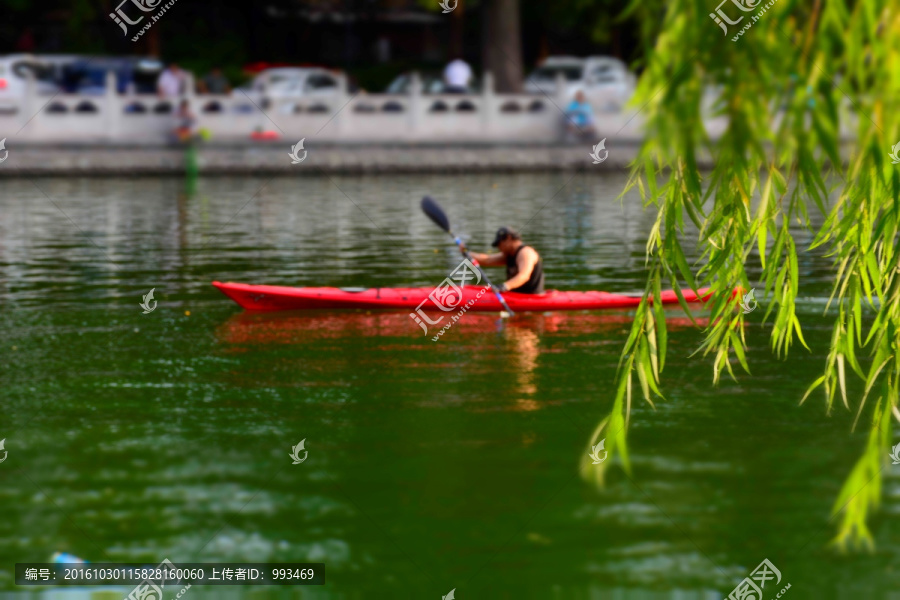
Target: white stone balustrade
(126,119)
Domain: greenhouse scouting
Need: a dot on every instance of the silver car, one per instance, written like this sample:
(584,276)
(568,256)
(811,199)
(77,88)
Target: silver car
(606,82)
(14,71)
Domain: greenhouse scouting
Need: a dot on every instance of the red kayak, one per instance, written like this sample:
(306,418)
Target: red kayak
(276,297)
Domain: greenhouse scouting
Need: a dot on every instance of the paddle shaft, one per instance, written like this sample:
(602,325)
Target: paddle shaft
(483,274)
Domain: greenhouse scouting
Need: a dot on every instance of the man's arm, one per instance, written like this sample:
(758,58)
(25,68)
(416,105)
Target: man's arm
(525,261)
(489,260)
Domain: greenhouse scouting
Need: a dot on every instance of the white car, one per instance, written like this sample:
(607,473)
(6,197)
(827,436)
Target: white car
(606,82)
(432,83)
(14,69)
(284,84)
(292,82)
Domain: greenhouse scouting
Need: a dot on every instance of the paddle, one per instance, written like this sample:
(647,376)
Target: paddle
(434,212)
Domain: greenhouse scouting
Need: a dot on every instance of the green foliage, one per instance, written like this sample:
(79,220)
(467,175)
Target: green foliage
(79,31)
(786,89)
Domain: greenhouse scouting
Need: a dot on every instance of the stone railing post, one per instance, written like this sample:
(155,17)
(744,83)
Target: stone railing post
(190,90)
(343,112)
(415,106)
(488,106)
(562,91)
(562,101)
(28,105)
(112,107)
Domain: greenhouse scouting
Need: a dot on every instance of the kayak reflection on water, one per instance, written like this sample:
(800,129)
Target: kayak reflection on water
(388,336)
(313,327)
(524,268)
(524,355)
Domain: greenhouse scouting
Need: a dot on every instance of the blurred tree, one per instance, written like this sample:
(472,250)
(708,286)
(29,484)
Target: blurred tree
(581,28)
(791,81)
(502,44)
(514,36)
(502,35)
(457,30)
(80,22)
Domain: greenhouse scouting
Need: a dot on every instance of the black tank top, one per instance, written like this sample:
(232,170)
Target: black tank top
(535,283)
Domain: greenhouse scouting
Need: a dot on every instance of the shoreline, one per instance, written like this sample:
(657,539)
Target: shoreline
(32,160)
(272,159)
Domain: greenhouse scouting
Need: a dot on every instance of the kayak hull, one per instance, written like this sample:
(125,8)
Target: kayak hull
(474,298)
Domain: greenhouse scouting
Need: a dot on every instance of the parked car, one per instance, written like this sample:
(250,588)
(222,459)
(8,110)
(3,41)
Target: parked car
(133,74)
(74,74)
(287,83)
(606,82)
(14,70)
(292,82)
(432,83)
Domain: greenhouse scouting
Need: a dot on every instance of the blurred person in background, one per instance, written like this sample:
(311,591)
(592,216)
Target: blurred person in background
(186,122)
(215,82)
(172,82)
(579,117)
(457,75)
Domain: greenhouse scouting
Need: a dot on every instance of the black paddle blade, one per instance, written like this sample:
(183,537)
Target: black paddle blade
(435,213)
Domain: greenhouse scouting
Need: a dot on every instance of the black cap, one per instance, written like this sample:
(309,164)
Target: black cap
(505,233)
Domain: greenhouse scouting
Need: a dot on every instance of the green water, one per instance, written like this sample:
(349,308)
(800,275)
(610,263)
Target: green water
(136,437)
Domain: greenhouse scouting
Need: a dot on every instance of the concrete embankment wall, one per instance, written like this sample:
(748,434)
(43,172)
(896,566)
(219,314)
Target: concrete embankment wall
(274,159)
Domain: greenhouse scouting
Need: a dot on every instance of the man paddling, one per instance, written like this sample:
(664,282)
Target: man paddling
(524,269)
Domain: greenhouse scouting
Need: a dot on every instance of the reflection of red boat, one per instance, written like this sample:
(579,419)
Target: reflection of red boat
(286,328)
(274,297)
